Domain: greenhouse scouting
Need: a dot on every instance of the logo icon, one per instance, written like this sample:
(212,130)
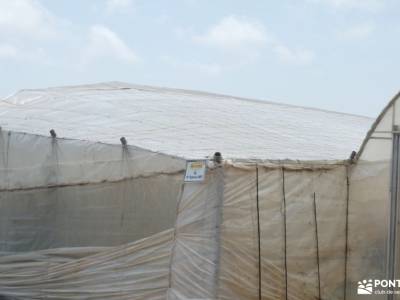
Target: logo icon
(365,287)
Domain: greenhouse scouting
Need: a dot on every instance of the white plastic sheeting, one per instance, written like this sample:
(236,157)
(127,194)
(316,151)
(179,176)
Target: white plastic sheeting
(106,214)
(288,241)
(213,251)
(194,263)
(68,193)
(368,223)
(73,213)
(184,123)
(216,254)
(137,270)
(30,161)
(314,241)
(369,205)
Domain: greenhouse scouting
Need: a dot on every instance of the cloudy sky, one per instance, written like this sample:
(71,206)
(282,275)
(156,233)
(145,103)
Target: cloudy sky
(333,54)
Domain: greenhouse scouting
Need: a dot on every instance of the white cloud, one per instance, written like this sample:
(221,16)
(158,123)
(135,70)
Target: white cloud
(26,17)
(294,56)
(118,6)
(22,54)
(25,25)
(232,33)
(103,42)
(249,39)
(368,5)
(357,32)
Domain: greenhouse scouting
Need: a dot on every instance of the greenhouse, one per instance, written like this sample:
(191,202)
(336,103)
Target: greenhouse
(121,191)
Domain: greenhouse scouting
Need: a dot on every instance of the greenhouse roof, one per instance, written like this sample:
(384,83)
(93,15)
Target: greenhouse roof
(184,123)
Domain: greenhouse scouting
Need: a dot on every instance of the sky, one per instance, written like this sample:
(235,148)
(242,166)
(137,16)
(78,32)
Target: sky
(340,55)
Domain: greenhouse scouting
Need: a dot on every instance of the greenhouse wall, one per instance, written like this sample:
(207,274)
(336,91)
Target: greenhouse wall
(68,193)
(98,221)
(372,196)
(274,231)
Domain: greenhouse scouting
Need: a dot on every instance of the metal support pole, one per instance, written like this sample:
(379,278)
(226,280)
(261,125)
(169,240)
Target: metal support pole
(394,195)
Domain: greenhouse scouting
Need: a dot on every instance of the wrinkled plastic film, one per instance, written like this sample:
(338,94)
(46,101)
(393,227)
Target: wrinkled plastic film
(369,205)
(29,161)
(194,263)
(238,274)
(214,247)
(238,269)
(273,275)
(160,119)
(107,214)
(331,195)
(138,270)
(68,193)
(368,223)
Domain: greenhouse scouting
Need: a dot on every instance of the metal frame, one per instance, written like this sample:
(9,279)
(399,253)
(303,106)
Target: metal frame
(393,214)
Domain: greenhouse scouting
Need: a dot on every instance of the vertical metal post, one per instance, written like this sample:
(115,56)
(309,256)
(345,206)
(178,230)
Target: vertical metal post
(284,232)
(394,195)
(346,246)
(259,240)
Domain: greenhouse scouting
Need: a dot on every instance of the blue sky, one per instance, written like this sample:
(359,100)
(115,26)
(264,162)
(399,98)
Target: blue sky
(338,55)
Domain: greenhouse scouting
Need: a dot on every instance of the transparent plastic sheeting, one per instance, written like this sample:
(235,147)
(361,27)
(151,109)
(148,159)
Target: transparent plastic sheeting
(307,251)
(213,251)
(368,224)
(369,205)
(106,214)
(32,161)
(286,267)
(189,124)
(68,193)
(194,263)
(138,270)
(220,261)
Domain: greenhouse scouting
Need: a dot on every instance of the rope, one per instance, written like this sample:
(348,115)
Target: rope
(317,244)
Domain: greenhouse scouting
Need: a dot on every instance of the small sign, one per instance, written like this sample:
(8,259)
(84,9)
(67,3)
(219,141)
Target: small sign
(195,171)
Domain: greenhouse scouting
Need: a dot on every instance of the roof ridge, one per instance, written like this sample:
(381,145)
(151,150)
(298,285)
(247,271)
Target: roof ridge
(262,101)
(111,85)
